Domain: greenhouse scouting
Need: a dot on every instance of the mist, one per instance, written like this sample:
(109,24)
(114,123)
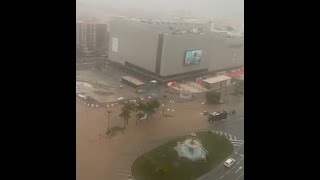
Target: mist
(230,9)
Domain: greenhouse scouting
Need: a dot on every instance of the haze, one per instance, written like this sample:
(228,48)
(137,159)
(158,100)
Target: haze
(229,9)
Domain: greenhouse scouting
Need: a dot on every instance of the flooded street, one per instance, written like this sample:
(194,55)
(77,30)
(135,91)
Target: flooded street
(100,157)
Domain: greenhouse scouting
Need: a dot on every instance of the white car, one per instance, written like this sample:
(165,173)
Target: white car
(229,162)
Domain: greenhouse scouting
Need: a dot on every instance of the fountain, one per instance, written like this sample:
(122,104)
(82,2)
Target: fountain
(191,149)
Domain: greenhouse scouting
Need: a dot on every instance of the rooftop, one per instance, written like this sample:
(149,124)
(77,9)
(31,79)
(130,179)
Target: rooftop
(216,79)
(133,80)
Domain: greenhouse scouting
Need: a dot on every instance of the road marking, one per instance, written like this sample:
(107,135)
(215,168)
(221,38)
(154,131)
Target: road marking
(221,177)
(230,170)
(121,174)
(237,145)
(230,137)
(241,155)
(235,138)
(238,169)
(240,176)
(122,170)
(240,146)
(240,141)
(236,142)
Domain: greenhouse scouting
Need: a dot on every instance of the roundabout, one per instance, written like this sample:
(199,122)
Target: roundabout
(185,158)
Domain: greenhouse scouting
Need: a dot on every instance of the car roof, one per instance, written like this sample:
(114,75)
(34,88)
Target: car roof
(229,160)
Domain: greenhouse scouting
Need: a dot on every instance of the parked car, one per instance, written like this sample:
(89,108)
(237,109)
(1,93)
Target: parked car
(204,113)
(140,91)
(232,112)
(83,96)
(229,162)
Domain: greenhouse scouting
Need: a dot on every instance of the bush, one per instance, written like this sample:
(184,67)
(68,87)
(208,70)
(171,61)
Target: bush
(212,97)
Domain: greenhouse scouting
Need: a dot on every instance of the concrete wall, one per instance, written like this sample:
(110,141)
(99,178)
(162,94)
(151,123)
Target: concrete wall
(222,51)
(174,49)
(137,44)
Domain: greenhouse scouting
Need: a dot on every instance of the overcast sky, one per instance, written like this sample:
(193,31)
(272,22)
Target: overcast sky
(224,8)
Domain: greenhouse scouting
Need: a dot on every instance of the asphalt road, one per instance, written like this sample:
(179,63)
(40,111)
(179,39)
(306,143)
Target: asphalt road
(233,129)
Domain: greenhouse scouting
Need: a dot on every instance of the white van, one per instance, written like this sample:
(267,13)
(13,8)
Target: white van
(229,162)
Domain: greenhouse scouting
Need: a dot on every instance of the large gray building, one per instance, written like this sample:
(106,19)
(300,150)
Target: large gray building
(169,49)
(92,36)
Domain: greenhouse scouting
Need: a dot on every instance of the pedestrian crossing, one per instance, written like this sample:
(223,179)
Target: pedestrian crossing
(236,142)
(122,173)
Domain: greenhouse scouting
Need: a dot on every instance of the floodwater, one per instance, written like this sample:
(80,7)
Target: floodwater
(101,158)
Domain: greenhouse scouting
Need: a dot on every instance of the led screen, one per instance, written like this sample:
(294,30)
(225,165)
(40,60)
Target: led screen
(193,57)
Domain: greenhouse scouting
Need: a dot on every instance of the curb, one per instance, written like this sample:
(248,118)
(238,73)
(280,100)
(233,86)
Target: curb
(87,104)
(182,134)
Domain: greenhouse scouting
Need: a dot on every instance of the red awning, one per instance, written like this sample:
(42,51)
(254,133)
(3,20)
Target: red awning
(237,74)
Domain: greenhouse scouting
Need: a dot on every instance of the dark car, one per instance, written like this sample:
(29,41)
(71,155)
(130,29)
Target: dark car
(204,113)
(217,116)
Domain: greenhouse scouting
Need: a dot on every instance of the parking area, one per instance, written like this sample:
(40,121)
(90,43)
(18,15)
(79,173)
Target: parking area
(104,85)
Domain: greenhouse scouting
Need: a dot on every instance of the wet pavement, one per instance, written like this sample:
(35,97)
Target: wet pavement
(100,158)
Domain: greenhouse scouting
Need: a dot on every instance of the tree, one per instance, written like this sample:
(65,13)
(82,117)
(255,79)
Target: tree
(141,110)
(147,108)
(155,103)
(128,108)
(150,109)
(212,97)
(125,114)
(139,115)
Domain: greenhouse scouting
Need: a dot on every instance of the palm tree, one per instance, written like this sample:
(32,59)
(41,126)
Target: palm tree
(127,109)
(150,109)
(125,114)
(155,103)
(130,106)
(139,115)
(140,108)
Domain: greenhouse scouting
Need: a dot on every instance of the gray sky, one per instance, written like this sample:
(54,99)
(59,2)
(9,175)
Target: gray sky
(210,8)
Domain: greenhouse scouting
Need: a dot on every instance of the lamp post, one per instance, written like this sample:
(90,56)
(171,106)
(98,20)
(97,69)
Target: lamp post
(87,112)
(162,109)
(108,119)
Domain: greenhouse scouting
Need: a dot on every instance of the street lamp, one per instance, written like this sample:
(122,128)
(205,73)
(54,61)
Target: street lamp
(87,112)
(162,109)
(108,119)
